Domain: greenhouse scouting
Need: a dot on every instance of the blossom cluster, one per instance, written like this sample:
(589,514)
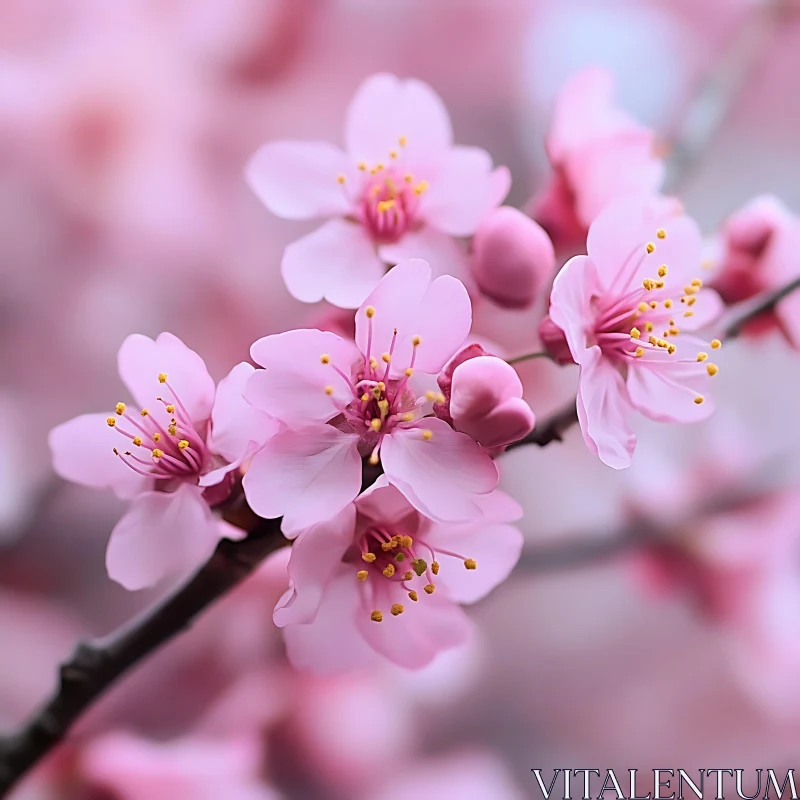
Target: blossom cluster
(379,449)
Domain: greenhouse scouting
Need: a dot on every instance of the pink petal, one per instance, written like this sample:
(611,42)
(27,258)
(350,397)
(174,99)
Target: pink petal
(603,410)
(234,422)
(464,187)
(444,254)
(336,262)
(82,452)
(486,402)
(292,387)
(407,301)
(382,501)
(305,476)
(497,506)
(571,303)
(161,534)
(618,237)
(414,638)
(141,360)
(316,556)
(439,476)
(332,643)
(495,548)
(298,180)
(386,108)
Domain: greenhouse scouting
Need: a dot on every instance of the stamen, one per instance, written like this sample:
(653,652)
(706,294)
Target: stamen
(639,352)
(435,567)
(416,341)
(402,141)
(329,390)
(662,271)
(144,412)
(368,557)
(157,453)
(389,571)
(137,440)
(370,311)
(375,424)
(362,574)
(408,576)
(362,165)
(409,372)
(170,409)
(661,233)
(688,313)
(668,303)
(376,616)
(702,356)
(716,344)
(400,557)
(162,377)
(386,358)
(421,187)
(471,563)
(406,541)
(635,333)
(712,369)
(183,444)
(427,435)
(397,609)
(324,359)
(650,247)
(120,408)
(413,596)
(156,437)
(340,178)
(111,422)
(699,399)
(429,588)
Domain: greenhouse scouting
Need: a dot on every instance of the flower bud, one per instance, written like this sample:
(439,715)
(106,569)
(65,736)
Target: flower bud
(554,341)
(486,402)
(512,257)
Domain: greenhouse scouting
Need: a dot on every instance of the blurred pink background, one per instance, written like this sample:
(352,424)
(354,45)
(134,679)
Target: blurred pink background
(124,130)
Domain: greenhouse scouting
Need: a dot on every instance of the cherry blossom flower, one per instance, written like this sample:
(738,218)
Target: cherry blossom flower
(624,310)
(380,579)
(758,246)
(400,190)
(341,402)
(599,154)
(174,458)
(512,258)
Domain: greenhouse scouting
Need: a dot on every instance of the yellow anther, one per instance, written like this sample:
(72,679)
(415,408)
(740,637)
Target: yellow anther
(408,576)
(340,178)
(368,557)
(362,574)
(650,247)
(402,141)
(653,304)
(373,362)
(699,399)
(429,588)
(716,344)
(697,283)
(156,437)
(407,417)
(416,341)
(111,422)
(421,187)
(376,616)
(329,390)
(435,567)
(158,453)
(674,331)
(183,444)
(172,430)
(120,408)
(647,283)
(639,352)
(170,409)
(690,301)
(137,440)
(397,609)
(385,205)
(370,311)
(386,358)
(408,177)
(653,340)
(413,596)
(636,333)
(409,372)
(386,546)
(643,307)
(648,326)
(427,435)
(471,563)
(668,303)
(389,571)
(671,349)
(431,396)
(712,369)
(662,271)
(365,397)
(144,412)
(324,359)
(690,290)
(688,313)
(381,386)
(702,356)
(362,165)
(663,343)
(405,541)
(383,405)
(661,233)
(659,284)
(374,460)
(375,424)
(162,377)
(393,154)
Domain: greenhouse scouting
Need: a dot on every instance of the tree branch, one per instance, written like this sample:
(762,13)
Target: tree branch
(95,665)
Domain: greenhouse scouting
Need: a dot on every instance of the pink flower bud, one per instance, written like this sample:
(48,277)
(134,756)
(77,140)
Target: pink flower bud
(486,402)
(512,257)
(554,341)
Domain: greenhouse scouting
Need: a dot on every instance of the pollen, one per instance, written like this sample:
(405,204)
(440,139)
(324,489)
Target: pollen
(389,571)
(324,359)
(650,247)
(674,331)
(402,141)
(374,460)
(362,574)
(111,422)
(653,340)
(688,313)
(427,435)
(173,430)
(697,283)
(435,567)
(362,165)
(183,444)
(702,356)
(639,352)
(120,408)
(671,349)
(409,372)
(636,333)
(661,233)
(413,596)
(429,588)
(158,453)
(408,576)
(430,396)
(370,311)
(393,154)
(653,304)
(156,437)
(329,390)
(386,358)
(470,563)
(368,557)
(690,290)
(690,301)
(416,341)
(406,541)
(421,187)
(387,546)
(385,205)
(375,424)
(648,326)
(699,399)
(668,303)
(643,306)
(376,616)
(662,271)
(170,409)
(340,178)
(648,284)
(162,377)
(716,344)
(137,440)
(712,369)
(144,412)
(397,609)
(408,177)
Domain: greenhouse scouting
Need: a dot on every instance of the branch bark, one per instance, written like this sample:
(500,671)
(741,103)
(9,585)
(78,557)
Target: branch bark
(95,665)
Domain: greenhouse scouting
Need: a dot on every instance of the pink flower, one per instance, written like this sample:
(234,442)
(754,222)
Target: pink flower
(759,244)
(380,579)
(512,258)
(599,154)
(340,402)
(622,309)
(401,190)
(175,457)
(188,769)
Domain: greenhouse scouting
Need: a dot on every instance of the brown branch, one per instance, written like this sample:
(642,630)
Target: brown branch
(95,665)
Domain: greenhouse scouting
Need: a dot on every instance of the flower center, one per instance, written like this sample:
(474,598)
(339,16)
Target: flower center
(165,442)
(387,197)
(395,562)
